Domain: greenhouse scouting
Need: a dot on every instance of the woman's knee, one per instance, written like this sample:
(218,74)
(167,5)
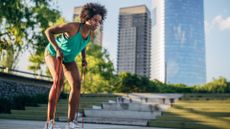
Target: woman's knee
(76,85)
(57,80)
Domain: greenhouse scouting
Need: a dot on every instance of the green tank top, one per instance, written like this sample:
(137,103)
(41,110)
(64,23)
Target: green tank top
(70,47)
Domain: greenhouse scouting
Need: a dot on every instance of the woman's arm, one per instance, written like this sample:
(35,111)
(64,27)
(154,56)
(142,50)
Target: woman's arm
(63,28)
(83,55)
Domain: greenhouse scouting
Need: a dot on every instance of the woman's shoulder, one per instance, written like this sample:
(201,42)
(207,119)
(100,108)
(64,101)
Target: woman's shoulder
(74,24)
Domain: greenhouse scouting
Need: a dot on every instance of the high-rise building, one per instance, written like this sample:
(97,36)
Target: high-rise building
(134,40)
(98,31)
(178,45)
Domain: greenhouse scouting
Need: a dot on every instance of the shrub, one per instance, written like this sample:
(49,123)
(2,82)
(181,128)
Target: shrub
(5,105)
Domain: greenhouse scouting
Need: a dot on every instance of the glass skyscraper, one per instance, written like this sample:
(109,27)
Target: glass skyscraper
(178,45)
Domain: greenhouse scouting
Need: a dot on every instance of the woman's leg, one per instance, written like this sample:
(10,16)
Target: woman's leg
(53,97)
(72,75)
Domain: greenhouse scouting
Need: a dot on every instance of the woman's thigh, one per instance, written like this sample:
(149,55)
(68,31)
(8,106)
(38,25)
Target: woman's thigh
(51,64)
(72,74)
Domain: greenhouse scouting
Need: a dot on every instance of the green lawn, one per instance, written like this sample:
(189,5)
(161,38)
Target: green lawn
(193,111)
(197,111)
(39,113)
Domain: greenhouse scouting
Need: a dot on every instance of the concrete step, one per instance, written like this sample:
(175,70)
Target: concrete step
(130,106)
(150,98)
(121,114)
(156,95)
(96,107)
(136,106)
(118,121)
(101,120)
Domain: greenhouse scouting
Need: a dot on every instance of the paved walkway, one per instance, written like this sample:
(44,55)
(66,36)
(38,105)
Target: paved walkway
(21,124)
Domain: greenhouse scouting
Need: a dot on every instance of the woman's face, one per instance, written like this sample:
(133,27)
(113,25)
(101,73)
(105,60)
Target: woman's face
(94,22)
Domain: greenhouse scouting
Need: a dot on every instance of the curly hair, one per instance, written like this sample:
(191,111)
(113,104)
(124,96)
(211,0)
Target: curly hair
(91,9)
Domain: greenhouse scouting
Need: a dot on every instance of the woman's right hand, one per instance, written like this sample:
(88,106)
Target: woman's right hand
(59,54)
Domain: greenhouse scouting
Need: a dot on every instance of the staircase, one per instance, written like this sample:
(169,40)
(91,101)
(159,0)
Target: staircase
(130,109)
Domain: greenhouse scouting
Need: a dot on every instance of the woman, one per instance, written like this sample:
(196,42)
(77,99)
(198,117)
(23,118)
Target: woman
(73,40)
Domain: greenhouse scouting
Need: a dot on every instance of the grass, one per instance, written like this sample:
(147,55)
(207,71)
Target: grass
(193,111)
(197,111)
(39,113)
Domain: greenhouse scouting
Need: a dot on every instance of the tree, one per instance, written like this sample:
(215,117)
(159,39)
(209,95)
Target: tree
(99,77)
(134,83)
(219,85)
(21,27)
(37,58)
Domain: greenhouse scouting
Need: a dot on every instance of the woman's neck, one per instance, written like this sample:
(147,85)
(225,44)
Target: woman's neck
(85,29)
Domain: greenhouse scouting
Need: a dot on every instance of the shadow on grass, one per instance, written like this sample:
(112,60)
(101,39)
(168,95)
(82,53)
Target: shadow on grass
(191,118)
(180,122)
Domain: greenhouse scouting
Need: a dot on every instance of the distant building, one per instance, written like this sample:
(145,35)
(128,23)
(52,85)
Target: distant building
(134,40)
(178,45)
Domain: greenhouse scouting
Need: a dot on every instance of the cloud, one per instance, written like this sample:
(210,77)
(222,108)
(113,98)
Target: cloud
(218,22)
(222,23)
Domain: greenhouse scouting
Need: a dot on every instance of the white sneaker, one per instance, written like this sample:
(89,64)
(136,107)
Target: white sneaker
(51,125)
(73,125)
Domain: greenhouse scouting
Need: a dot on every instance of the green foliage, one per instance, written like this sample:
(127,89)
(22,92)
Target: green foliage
(99,77)
(37,58)
(174,88)
(22,26)
(100,70)
(219,85)
(77,19)
(40,98)
(5,106)
(47,17)
(127,83)
(36,61)
(19,102)
(135,83)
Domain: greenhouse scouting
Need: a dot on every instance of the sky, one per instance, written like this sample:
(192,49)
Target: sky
(217,31)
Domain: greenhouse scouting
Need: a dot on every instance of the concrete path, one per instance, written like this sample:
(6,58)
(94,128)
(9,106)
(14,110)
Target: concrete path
(22,124)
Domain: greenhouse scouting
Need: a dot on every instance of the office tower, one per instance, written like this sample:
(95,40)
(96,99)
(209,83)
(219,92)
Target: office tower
(134,40)
(178,45)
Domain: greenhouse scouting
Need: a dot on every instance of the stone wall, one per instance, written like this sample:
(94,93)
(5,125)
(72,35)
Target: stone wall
(12,85)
